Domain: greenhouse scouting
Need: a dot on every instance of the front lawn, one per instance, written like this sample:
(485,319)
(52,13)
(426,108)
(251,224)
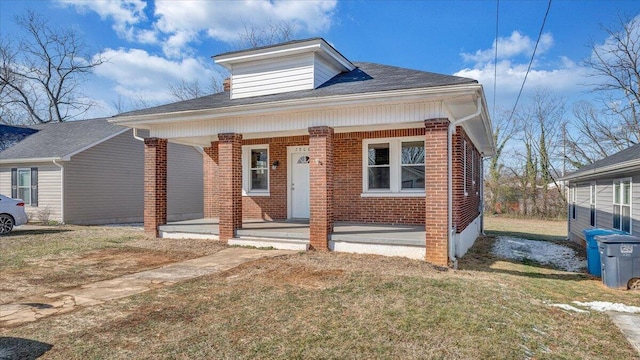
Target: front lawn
(332,305)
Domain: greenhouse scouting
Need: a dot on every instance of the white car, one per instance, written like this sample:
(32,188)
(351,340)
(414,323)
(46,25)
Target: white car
(11,214)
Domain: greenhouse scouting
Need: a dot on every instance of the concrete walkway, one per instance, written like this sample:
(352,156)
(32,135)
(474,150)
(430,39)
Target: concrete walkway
(127,285)
(629,325)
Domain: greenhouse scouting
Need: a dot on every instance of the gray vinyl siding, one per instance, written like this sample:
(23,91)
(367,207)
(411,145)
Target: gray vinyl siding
(604,205)
(104,184)
(184,178)
(48,189)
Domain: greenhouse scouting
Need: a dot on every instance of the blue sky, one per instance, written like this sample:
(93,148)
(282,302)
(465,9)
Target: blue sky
(155,43)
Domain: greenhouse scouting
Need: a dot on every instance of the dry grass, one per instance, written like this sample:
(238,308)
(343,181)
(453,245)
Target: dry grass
(40,260)
(533,229)
(332,305)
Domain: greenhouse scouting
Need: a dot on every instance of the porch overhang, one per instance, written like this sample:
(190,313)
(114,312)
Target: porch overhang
(406,108)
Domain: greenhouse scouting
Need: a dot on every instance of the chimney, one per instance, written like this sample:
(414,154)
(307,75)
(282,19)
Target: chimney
(227,84)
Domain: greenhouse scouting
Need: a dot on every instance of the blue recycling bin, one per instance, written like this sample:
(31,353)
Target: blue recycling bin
(594,265)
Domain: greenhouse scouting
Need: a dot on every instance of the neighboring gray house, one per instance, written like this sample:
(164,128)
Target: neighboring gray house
(92,172)
(606,194)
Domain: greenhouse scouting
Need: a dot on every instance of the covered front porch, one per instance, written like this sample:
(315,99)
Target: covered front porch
(395,240)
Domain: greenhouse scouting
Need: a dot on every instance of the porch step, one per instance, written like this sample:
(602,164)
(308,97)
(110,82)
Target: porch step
(276,243)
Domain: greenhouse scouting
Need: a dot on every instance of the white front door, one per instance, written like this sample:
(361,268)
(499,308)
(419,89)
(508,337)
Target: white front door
(299,182)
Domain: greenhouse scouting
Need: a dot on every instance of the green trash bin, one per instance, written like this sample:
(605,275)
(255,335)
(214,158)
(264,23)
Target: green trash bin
(620,257)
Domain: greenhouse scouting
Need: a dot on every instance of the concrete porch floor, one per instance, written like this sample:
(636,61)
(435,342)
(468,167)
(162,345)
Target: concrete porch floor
(361,233)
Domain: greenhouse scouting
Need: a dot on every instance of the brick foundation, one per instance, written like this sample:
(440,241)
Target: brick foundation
(229,181)
(321,186)
(437,191)
(155,184)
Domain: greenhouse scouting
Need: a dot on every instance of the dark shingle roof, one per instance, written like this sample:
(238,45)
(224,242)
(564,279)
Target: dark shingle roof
(10,135)
(619,158)
(366,78)
(56,140)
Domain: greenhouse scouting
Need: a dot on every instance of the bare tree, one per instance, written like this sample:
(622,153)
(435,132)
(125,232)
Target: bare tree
(41,74)
(615,66)
(272,33)
(185,90)
(503,131)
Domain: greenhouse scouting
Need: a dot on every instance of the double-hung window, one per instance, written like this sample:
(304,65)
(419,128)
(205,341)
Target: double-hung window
(24,185)
(574,190)
(592,204)
(622,205)
(255,170)
(393,167)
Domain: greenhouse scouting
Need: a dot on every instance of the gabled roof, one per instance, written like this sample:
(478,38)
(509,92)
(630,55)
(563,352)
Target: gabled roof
(10,135)
(625,160)
(59,141)
(365,78)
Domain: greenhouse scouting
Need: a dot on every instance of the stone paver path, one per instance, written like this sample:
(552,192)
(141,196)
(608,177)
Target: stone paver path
(127,285)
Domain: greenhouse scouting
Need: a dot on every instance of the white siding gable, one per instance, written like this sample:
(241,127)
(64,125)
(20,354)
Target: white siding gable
(323,71)
(272,76)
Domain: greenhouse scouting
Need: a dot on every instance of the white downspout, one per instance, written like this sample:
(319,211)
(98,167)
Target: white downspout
(61,190)
(135,135)
(452,130)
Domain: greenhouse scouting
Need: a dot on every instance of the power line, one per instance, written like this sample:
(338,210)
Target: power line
(495,59)
(531,61)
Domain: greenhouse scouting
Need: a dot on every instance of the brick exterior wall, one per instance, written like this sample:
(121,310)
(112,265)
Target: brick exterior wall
(465,207)
(155,184)
(321,180)
(349,205)
(209,184)
(274,206)
(436,188)
(229,183)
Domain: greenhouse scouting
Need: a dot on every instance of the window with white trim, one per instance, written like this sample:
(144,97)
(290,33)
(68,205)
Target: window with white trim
(393,166)
(622,205)
(592,204)
(464,168)
(255,170)
(573,201)
(24,185)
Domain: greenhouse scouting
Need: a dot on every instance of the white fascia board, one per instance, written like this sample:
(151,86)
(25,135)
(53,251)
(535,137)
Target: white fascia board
(396,96)
(627,166)
(29,160)
(337,58)
(261,54)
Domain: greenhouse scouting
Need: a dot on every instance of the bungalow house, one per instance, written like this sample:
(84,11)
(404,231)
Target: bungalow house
(302,133)
(606,194)
(92,172)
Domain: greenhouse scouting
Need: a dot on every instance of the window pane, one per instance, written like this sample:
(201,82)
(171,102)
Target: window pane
(24,178)
(378,154)
(259,159)
(379,178)
(25,194)
(626,193)
(259,179)
(616,193)
(616,217)
(592,221)
(413,177)
(626,219)
(413,152)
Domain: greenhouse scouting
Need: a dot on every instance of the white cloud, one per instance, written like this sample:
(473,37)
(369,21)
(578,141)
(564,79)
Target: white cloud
(184,21)
(124,14)
(143,76)
(515,45)
(561,75)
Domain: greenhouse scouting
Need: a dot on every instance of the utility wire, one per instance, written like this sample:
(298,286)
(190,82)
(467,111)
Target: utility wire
(495,59)
(530,62)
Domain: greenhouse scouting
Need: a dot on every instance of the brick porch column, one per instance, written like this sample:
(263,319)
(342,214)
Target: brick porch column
(155,184)
(210,173)
(321,186)
(229,181)
(437,191)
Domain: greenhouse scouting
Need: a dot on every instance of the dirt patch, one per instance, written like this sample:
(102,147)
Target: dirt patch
(52,274)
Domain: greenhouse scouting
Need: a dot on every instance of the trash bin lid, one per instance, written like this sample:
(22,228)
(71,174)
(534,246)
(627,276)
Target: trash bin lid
(618,239)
